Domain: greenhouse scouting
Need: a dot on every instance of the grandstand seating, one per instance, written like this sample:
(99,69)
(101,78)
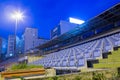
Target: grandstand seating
(77,56)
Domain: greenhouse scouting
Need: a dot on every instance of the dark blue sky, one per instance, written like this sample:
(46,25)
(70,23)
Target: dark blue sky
(46,14)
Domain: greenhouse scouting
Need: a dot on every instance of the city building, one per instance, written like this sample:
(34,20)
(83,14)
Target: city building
(31,39)
(3,48)
(62,28)
(0,45)
(19,45)
(11,46)
(41,41)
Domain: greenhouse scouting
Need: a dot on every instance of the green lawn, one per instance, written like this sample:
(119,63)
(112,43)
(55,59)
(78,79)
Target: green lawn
(113,60)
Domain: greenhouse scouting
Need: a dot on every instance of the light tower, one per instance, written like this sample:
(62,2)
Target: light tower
(17,16)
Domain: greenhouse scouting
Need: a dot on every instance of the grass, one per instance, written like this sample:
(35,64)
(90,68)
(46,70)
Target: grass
(23,66)
(112,61)
(33,58)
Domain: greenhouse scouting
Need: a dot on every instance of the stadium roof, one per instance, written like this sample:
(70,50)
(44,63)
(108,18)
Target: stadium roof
(109,16)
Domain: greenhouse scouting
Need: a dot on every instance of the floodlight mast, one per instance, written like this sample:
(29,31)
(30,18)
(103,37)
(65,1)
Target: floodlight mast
(17,16)
(16,24)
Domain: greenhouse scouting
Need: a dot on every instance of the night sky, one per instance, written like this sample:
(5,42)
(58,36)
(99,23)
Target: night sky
(46,14)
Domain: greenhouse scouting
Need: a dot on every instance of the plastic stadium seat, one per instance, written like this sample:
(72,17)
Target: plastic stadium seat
(64,62)
(97,53)
(114,41)
(107,46)
(80,62)
(72,63)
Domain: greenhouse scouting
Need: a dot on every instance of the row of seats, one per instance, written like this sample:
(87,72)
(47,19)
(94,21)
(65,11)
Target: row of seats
(77,56)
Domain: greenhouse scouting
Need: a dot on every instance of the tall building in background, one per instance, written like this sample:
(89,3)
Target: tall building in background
(19,45)
(11,46)
(30,36)
(3,48)
(31,39)
(41,41)
(0,45)
(62,28)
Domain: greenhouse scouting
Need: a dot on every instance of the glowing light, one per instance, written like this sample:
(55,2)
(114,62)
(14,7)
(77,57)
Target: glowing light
(11,54)
(76,21)
(17,15)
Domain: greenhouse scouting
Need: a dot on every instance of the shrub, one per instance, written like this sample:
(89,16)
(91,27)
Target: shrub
(115,76)
(77,78)
(24,66)
(18,66)
(98,76)
(50,78)
(55,78)
(22,78)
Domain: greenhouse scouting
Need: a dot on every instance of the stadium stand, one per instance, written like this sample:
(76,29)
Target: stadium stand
(96,26)
(84,45)
(76,57)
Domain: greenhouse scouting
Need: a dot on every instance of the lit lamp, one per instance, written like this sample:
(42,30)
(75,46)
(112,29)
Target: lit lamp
(17,16)
(76,21)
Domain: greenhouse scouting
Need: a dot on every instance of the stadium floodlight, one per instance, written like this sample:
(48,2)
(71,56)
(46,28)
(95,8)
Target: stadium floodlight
(17,15)
(76,21)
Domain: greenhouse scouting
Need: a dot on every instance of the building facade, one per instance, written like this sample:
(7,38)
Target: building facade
(11,46)
(41,41)
(62,28)
(19,45)
(3,48)
(0,45)
(30,37)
